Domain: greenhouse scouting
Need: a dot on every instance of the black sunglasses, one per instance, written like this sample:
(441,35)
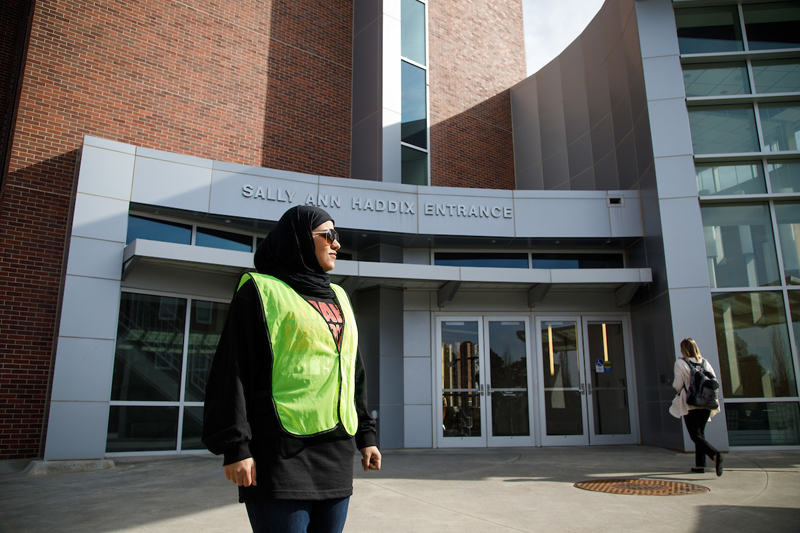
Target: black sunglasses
(330,235)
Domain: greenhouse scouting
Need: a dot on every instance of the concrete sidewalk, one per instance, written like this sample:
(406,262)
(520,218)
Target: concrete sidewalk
(483,491)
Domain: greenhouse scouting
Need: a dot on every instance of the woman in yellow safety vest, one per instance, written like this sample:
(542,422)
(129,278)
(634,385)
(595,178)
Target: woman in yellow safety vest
(286,396)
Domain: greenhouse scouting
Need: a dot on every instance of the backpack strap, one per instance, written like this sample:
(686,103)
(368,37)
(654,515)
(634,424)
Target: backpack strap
(689,365)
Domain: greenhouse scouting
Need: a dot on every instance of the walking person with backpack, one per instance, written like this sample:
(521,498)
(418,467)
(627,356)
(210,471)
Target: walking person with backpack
(697,401)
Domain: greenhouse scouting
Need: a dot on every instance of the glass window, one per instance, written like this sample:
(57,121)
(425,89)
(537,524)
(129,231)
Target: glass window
(135,428)
(771,26)
(788,216)
(716,79)
(777,76)
(414,121)
(205,328)
(739,246)
(733,178)
(708,30)
(149,350)
(212,238)
(755,358)
(413,31)
(570,261)
(478,259)
(763,423)
(415,166)
(723,130)
(157,230)
(192,429)
(781,126)
(784,176)
(794,307)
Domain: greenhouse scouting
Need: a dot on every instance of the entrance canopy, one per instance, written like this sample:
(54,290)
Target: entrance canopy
(447,280)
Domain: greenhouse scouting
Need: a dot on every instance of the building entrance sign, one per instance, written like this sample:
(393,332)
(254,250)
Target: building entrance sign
(377,205)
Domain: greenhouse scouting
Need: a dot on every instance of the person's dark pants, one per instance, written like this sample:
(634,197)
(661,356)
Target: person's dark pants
(298,516)
(696,424)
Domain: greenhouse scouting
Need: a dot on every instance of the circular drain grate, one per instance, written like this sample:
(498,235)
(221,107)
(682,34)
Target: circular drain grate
(643,487)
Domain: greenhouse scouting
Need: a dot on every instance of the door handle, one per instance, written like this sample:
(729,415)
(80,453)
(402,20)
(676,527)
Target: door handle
(580,388)
(589,389)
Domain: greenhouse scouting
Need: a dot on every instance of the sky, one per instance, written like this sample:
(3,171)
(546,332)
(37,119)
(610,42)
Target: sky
(551,25)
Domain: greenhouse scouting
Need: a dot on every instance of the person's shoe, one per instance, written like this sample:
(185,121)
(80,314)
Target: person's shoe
(698,470)
(718,463)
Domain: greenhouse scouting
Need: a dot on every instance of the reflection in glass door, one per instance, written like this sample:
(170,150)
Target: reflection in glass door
(562,399)
(484,379)
(507,390)
(461,388)
(608,392)
(585,396)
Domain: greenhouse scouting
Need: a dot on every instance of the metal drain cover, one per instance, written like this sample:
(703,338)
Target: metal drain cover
(642,487)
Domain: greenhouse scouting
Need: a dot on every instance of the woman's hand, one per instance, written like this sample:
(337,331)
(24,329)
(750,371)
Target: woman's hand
(370,458)
(243,473)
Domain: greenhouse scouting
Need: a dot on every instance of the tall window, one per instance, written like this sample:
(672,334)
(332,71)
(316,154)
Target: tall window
(743,98)
(164,350)
(414,87)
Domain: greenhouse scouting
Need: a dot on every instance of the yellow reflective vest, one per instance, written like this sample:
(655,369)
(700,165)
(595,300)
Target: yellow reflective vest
(313,384)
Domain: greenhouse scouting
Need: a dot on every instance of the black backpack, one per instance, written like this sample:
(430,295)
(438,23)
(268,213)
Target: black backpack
(702,391)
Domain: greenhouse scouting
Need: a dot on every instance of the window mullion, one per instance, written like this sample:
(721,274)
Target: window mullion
(777,237)
(740,11)
(184,371)
(759,130)
(751,77)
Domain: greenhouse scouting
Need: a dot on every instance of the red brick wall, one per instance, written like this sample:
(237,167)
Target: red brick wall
(257,82)
(14,16)
(477,51)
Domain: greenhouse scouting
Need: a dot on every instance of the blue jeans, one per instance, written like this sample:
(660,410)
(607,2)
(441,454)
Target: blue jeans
(298,516)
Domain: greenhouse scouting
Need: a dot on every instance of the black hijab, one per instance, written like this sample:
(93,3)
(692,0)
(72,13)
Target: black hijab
(288,252)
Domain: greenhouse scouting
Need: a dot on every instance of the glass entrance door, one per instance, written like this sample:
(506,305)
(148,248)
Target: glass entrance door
(608,390)
(507,389)
(483,378)
(585,396)
(463,423)
(562,400)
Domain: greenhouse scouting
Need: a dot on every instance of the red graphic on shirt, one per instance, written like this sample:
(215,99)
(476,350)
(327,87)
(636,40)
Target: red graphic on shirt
(333,316)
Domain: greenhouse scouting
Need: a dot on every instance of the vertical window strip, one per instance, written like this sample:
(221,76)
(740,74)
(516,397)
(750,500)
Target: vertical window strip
(412,141)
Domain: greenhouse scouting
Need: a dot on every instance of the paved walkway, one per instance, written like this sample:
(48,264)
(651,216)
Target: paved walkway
(482,491)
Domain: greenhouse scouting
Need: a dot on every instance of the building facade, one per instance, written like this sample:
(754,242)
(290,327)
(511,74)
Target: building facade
(523,255)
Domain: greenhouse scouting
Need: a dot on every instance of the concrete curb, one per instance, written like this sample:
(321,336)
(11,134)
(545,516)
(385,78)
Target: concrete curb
(12,466)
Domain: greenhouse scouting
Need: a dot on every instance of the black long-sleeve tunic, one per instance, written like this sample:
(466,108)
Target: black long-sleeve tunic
(239,419)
